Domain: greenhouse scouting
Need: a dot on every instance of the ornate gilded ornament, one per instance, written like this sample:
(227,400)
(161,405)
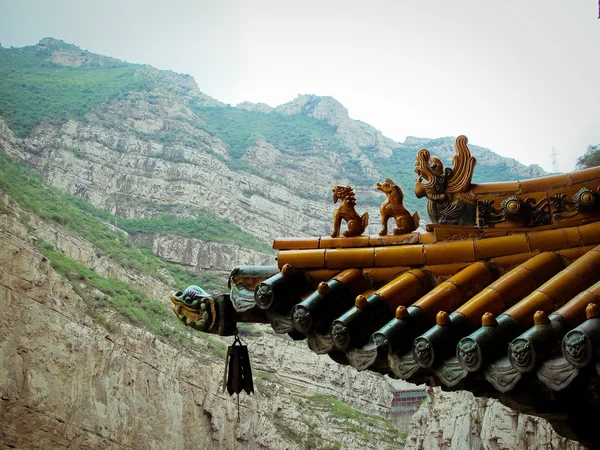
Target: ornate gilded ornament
(393,207)
(532,212)
(511,206)
(449,201)
(356,224)
(527,212)
(195,308)
(585,198)
(583,201)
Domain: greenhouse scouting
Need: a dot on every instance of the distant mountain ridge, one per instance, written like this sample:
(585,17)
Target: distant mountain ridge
(142,142)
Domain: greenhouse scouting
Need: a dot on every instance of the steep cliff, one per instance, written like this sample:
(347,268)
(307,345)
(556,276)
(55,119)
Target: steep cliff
(149,143)
(459,420)
(77,370)
(70,380)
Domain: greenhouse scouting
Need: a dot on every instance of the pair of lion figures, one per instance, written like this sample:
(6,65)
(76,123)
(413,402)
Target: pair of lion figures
(391,207)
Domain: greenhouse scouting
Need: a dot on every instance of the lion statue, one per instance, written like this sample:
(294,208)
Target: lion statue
(393,207)
(356,224)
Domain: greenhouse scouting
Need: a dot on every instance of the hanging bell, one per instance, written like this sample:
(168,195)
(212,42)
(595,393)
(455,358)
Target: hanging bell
(238,375)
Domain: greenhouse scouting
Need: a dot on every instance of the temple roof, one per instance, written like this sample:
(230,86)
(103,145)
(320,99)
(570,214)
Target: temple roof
(500,308)
(499,296)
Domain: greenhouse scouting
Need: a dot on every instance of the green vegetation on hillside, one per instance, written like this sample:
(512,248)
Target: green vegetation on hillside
(205,227)
(354,420)
(28,189)
(591,158)
(34,90)
(109,293)
(295,133)
(128,301)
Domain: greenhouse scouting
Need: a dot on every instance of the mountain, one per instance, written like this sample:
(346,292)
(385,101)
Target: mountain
(119,182)
(140,142)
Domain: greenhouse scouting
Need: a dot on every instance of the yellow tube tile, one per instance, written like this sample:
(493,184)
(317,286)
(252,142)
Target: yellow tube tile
(547,240)
(302,259)
(446,270)
(477,271)
(587,267)
(501,246)
(404,289)
(572,236)
(384,274)
(514,285)
(573,253)
(574,310)
(316,276)
(427,238)
(505,187)
(343,242)
(449,252)
(590,233)
(544,266)
(391,239)
(354,280)
(543,184)
(523,311)
(562,286)
(581,176)
(295,243)
(349,257)
(405,255)
(444,297)
(487,300)
(512,260)
(347,276)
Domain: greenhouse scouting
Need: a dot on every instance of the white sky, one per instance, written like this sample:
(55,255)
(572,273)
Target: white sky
(516,76)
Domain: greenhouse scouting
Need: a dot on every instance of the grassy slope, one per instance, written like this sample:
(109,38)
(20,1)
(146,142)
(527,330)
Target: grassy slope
(34,90)
(28,189)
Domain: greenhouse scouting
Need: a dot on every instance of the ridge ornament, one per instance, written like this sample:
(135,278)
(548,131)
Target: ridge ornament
(356,224)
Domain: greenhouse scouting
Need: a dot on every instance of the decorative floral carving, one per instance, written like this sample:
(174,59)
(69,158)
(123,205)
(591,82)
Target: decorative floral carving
(583,201)
(538,212)
(585,198)
(511,206)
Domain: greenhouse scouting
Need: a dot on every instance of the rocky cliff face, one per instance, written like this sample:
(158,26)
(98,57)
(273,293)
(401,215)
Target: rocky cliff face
(144,151)
(68,382)
(459,420)
(202,255)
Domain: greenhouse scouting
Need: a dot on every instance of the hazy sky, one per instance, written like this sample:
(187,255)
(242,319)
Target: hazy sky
(517,76)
